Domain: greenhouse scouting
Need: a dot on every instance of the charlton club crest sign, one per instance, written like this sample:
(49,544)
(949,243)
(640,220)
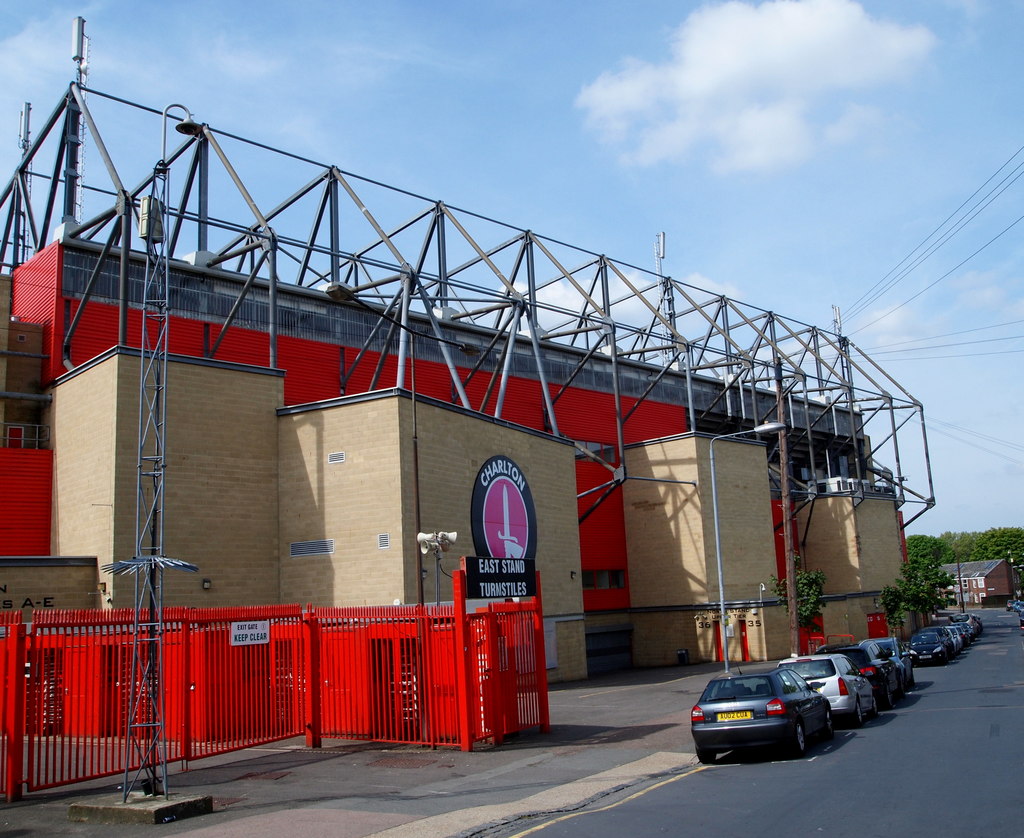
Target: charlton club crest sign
(504,518)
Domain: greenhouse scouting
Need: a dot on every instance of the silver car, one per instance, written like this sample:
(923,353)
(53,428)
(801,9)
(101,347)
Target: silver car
(839,679)
(902,658)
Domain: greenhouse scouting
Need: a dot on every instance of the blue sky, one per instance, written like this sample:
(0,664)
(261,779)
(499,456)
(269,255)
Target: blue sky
(794,153)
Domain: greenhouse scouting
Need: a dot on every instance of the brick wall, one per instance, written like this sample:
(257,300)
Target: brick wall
(29,585)
(671,544)
(220,483)
(370,494)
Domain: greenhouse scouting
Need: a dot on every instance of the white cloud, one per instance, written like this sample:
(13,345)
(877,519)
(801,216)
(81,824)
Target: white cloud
(750,83)
(989,291)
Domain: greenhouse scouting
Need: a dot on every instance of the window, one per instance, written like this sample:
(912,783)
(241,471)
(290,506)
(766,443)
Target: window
(603,579)
(789,685)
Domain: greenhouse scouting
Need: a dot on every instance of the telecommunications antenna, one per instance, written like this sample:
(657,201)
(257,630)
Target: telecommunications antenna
(76,132)
(668,300)
(80,49)
(837,320)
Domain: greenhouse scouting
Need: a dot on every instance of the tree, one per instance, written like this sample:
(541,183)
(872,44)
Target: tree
(810,585)
(927,548)
(922,584)
(1000,543)
(961,543)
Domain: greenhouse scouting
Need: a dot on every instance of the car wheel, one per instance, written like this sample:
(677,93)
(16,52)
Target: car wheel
(798,743)
(873,713)
(885,698)
(901,689)
(705,757)
(858,714)
(828,731)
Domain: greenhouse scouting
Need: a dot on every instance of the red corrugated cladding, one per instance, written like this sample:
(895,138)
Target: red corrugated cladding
(602,537)
(313,374)
(780,539)
(34,299)
(26,483)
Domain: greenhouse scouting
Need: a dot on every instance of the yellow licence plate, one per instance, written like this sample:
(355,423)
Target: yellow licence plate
(736,714)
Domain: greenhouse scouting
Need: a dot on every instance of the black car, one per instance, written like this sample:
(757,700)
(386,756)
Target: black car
(749,711)
(876,664)
(930,646)
(902,657)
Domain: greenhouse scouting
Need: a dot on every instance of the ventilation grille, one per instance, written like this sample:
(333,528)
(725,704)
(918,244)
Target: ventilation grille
(322,547)
(336,457)
(383,540)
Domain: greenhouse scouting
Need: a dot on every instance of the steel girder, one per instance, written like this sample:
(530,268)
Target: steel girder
(442,271)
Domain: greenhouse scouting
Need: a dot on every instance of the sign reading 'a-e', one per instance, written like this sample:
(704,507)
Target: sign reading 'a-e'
(488,578)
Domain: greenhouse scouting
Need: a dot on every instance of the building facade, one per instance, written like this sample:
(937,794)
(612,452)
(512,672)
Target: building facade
(311,437)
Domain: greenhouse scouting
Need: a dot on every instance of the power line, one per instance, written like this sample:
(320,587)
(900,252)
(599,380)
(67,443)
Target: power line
(956,267)
(942,345)
(1006,443)
(947,335)
(956,357)
(967,441)
(863,301)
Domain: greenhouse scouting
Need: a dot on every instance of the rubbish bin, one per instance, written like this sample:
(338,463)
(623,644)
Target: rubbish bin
(683,657)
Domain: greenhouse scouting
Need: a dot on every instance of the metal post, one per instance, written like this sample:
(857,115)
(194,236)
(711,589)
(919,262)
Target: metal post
(416,468)
(770,427)
(787,516)
(718,559)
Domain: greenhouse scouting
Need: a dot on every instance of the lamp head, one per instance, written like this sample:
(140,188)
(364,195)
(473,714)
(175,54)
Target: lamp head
(769,428)
(339,292)
(189,127)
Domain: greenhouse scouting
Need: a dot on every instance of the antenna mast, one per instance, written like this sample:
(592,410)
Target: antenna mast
(668,299)
(76,126)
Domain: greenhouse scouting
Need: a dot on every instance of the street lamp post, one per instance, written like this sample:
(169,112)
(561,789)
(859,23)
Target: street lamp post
(767,428)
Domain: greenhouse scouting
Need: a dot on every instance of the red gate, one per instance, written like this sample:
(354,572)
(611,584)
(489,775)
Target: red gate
(410,674)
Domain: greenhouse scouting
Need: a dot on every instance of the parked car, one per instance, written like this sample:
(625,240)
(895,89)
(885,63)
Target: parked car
(930,646)
(747,711)
(954,637)
(971,621)
(964,621)
(966,637)
(900,652)
(876,665)
(1011,605)
(838,678)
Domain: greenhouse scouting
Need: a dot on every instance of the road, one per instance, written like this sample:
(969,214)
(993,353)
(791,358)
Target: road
(945,761)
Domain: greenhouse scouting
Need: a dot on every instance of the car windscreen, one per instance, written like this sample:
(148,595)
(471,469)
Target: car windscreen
(811,669)
(738,689)
(924,639)
(858,656)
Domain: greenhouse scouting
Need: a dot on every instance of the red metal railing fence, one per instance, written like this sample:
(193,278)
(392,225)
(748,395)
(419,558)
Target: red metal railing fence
(422,675)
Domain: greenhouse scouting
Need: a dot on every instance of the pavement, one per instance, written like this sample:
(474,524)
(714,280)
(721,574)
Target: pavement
(609,735)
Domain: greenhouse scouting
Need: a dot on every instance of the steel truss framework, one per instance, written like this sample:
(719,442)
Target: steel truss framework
(538,306)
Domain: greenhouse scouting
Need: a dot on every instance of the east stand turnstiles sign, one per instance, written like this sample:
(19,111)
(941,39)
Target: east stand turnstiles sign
(488,578)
